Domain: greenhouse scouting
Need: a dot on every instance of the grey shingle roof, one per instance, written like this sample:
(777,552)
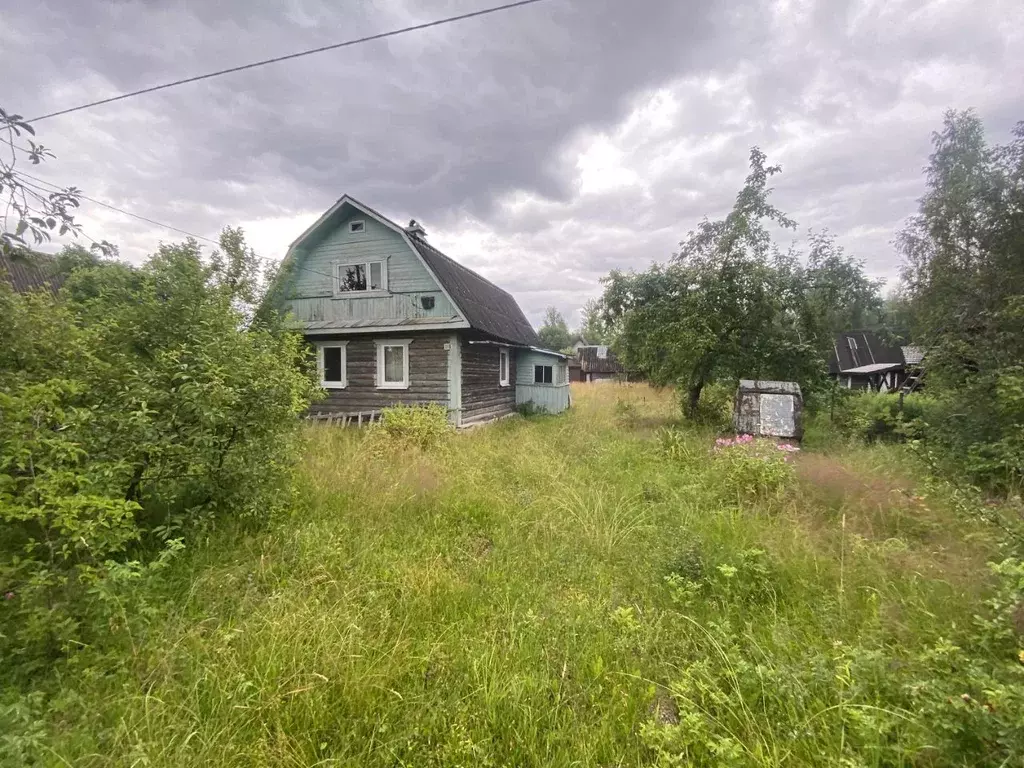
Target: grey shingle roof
(487,307)
(597,359)
(29,272)
(867,348)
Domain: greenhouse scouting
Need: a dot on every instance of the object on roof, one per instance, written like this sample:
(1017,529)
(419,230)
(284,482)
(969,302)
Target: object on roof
(913,355)
(768,408)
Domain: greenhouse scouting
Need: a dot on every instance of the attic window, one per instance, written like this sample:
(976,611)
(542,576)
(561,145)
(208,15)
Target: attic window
(370,276)
(427,302)
(357,226)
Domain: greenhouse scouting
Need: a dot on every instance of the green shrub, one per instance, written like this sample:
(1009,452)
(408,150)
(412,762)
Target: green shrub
(419,427)
(133,409)
(714,409)
(875,416)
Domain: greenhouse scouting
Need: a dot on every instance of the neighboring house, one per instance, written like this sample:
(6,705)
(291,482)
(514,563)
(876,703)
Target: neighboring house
(30,271)
(577,344)
(598,363)
(395,321)
(862,360)
(575,369)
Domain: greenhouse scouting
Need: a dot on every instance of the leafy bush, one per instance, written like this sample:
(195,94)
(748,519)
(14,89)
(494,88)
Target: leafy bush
(875,416)
(715,406)
(131,410)
(419,427)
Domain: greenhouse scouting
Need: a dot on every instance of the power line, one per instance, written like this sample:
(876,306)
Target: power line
(264,62)
(122,210)
(160,223)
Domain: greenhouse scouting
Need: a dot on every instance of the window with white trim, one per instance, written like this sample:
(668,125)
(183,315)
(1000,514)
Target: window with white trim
(369,276)
(503,367)
(542,374)
(563,374)
(393,364)
(357,225)
(332,364)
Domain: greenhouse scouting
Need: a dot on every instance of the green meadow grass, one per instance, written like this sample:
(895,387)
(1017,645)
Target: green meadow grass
(553,591)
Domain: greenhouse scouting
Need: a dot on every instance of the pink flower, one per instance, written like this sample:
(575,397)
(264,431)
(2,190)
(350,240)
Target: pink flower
(8,596)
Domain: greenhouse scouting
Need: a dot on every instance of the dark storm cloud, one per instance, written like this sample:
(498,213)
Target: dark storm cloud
(543,146)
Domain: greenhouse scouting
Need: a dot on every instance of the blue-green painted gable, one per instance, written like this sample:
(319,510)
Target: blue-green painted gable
(311,296)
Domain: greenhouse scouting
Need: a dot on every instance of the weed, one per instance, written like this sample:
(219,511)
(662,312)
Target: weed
(556,591)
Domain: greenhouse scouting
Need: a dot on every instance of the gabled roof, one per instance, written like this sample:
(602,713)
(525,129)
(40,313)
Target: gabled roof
(29,271)
(598,359)
(485,306)
(854,349)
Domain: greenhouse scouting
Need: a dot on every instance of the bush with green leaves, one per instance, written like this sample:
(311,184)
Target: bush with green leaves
(134,407)
(880,416)
(403,427)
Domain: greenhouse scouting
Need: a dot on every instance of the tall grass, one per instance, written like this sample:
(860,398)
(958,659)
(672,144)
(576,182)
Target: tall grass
(544,591)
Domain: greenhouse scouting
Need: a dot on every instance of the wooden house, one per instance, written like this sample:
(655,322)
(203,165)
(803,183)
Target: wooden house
(598,363)
(395,321)
(863,360)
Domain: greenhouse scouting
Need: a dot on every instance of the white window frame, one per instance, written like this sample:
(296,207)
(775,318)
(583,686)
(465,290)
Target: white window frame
(503,381)
(381,344)
(352,224)
(543,383)
(321,368)
(338,267)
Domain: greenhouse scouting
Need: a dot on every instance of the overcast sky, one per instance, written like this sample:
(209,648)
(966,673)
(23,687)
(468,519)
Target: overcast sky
(541,146)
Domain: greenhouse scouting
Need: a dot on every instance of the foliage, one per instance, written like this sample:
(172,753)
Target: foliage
(133,409)
(404,427)
(874,416)
(730,305)
(33,210)
(593,328)
(838,295)
(753,469)
(530,408)
(964,281)
(554,592)
(554,331)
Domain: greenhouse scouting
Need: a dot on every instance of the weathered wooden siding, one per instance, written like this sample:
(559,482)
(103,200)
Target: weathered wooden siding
(428,375)
(483,397)
(553,398)
(311,295)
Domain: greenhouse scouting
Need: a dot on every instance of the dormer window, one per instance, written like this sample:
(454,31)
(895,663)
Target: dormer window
(357,226)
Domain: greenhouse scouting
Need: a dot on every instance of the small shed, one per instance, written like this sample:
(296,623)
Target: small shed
(769,408)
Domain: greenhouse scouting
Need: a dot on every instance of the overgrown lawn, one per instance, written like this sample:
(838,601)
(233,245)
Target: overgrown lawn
(586,590)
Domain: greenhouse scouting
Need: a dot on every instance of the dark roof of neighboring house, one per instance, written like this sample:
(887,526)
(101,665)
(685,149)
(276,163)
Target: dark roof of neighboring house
(487,307)
(854,349)
(29,271)
(597,359)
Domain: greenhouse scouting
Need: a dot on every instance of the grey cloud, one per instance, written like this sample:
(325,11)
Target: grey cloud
(449,124)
